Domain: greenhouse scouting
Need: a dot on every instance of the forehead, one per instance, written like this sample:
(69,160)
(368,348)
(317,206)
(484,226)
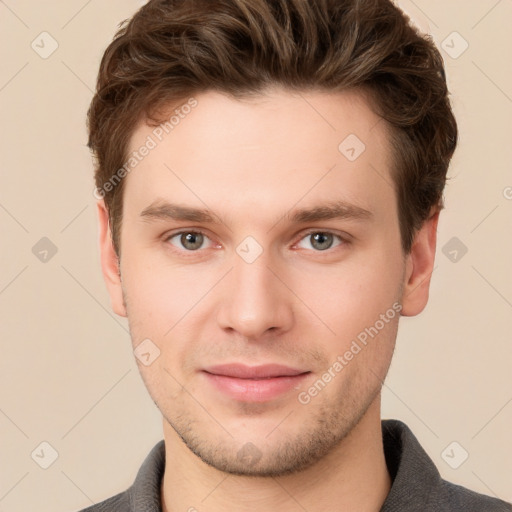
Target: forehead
(264,153)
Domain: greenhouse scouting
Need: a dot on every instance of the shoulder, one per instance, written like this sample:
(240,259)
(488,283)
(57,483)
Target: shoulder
(118,503)
(450,497)
(417,484)
(144,494)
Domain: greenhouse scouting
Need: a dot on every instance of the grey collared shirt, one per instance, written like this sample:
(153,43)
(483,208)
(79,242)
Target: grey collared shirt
(417,484)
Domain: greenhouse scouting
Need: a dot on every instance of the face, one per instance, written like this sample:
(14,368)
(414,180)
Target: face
(261,268)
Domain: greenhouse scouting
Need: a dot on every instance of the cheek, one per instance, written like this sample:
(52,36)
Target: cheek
(159,294)
(172,306)
(353,293)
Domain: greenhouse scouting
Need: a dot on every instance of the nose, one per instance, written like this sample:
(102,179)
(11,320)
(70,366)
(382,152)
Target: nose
(254,301)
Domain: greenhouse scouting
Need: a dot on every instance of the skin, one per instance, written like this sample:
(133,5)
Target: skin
(253,163)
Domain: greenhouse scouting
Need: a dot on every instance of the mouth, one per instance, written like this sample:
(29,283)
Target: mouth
(254,383)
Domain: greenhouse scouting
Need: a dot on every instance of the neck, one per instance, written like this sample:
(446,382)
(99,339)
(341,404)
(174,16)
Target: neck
(353,476)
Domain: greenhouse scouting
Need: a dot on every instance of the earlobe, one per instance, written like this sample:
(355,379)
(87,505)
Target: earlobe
(419,265)
(110,261)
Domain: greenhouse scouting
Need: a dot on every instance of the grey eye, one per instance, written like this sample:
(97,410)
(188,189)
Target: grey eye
(190,240)
(321,241)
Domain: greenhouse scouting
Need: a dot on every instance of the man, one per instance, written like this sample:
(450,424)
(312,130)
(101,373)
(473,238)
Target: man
(269,181)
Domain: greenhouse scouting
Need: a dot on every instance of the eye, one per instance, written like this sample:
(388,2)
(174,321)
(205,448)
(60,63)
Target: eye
(321,240)
(188,240)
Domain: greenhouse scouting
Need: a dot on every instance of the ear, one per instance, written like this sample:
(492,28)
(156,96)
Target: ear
(419,264)
(110,261)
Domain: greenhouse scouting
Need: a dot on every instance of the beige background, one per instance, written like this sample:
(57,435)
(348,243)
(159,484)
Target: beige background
(67,373)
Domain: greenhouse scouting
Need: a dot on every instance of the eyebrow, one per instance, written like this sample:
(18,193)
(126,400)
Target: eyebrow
(163,210)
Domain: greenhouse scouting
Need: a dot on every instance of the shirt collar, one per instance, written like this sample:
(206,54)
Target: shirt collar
(412,471)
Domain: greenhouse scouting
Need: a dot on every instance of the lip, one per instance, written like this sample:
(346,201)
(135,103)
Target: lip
(264,371)
(254,383)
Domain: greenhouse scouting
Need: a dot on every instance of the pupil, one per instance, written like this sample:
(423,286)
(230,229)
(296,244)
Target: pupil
(322,241)
(192,240)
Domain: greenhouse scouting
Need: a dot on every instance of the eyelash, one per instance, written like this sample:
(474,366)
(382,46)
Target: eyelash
(344,240)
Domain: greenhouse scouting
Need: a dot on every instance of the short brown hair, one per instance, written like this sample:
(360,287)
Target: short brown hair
(172,49)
